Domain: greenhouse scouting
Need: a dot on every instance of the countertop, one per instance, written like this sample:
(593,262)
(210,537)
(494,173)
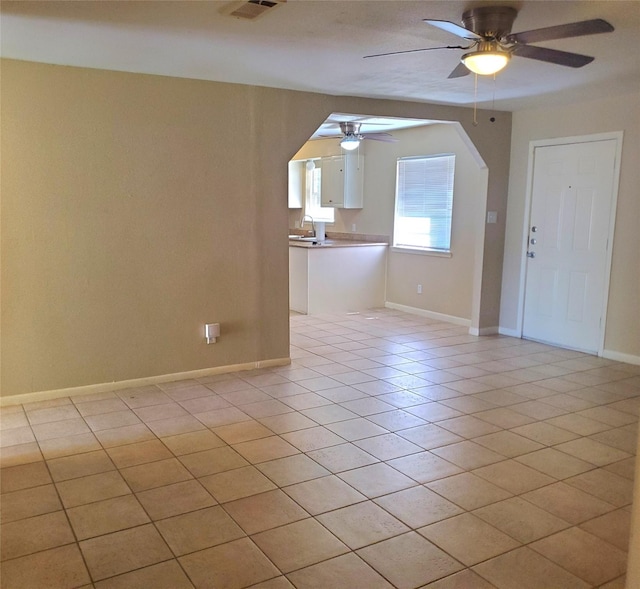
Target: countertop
(333,243)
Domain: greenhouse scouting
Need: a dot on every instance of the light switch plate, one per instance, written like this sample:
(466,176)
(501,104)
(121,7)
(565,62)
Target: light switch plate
(492,216)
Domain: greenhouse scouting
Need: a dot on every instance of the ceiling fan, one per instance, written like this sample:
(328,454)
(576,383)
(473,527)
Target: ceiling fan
(351,135)
(488,28)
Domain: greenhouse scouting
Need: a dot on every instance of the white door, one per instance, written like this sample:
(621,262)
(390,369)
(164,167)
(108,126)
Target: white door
(571,202)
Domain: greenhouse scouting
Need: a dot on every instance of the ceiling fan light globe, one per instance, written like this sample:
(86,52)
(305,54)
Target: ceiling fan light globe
(350,143)
(486,63)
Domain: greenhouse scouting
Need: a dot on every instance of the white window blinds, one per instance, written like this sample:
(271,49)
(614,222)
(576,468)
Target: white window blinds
(424,202)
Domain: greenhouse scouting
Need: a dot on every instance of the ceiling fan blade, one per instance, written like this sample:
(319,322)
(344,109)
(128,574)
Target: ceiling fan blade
(451,27)
(417,50)
(459,71)
(574,29)
(552,55)
(380,137)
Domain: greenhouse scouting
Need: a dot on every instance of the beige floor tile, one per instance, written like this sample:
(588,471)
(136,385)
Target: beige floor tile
(418,506)
(466,579)
(396,421)
(165,575)
(11,418)
(198,530)
(578,424)
(367,405)
(624,468)
(244,431)
(545,433)
(424,467)
(409,561)
(143,396)
(139,453)
(219,417)
(342,457)
(513,476)
(299,544)
(34,534)
(24,476)
(433,411)
(592,451)
(525,569)
(245,396)
(100,406)
(30,502)
(356,429)
(57,429)
(237,483)
(233,565)
(388,446)
(266,408)
(508,444)
(110,420)
(121,552)
(92,488)
(324,494)
(362,524)
(19,454)
(468,490)
(328,413)
(305,401)
(584,555)
(265,449)
(555,463)
(67,446)
(347,570)
(468,538)
(620,438)
(202,404)
(376,480)
(79,465)
(50,414)
(568,503)
(213,461)
(313,438)
(62,568)
(468,426)
(104,517)
(605,485)
(287,422)
(265,511)
(155,474)
(127,434)
(468,455)
(192,442)
(175,499)
(521,520)
(175,426)
(277,583)
(292,470)
(619,583)
(430,436)
(613,527)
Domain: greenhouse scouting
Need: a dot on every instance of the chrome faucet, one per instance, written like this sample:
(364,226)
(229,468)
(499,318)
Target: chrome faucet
(313,225)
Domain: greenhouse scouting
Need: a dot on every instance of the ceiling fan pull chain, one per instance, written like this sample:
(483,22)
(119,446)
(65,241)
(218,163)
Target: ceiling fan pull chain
(475,100)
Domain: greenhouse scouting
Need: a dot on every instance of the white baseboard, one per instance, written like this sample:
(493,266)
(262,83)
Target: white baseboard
(509,332)
(621,357)
(429,314)
(137,382)
(484,330)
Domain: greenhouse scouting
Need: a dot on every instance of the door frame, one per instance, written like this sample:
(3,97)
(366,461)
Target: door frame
(615,135)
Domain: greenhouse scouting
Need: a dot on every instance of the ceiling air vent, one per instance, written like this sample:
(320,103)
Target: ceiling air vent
(251,9)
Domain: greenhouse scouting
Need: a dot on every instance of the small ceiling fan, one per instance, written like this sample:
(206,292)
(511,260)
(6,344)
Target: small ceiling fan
(488,28)
(351,136)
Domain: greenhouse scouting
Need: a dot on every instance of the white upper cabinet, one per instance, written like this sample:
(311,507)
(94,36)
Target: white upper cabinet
(296,184)
(342,181)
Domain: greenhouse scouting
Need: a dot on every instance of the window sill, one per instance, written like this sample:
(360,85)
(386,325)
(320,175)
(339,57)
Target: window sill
(420,252)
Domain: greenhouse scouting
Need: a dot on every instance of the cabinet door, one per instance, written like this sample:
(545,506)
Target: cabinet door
(353,181)
(296,184)
(332,181)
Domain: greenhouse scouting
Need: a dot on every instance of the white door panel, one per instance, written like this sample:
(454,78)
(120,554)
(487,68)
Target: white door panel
(569,229)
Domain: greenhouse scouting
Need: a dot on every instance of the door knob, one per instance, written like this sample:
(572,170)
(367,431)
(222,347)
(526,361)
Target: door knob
(531,254)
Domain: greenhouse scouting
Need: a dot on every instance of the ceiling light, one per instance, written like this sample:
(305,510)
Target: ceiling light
(350,142)
(487,60)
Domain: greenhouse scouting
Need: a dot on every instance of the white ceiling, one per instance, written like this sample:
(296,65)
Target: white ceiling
(319,45)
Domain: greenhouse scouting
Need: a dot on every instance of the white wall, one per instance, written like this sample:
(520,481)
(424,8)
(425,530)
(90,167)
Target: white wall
(447,282)
(617,113)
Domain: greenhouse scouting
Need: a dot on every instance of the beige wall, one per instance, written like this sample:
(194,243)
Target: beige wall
(618,113)
(136,208)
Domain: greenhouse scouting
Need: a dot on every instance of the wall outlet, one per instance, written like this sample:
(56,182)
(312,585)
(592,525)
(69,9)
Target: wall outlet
(211,332)
(492,216)
(353,227)
(419,288)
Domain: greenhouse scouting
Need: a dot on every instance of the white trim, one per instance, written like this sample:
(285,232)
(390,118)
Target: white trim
(484,330)
(137,382)
(509,332)
(621,357)
(429,314)
(616,136)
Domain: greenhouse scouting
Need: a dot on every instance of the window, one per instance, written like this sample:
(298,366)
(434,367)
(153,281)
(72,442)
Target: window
(313,194)
(424,202)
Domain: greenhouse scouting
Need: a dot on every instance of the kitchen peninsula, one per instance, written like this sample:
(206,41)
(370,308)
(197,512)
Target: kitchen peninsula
(345,272)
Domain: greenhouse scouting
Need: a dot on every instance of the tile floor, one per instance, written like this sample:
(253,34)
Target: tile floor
(395,451)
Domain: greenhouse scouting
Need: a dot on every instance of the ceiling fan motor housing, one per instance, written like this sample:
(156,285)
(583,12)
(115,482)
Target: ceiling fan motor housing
(490,21)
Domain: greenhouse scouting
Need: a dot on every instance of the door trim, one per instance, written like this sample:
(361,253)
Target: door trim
(615,135)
